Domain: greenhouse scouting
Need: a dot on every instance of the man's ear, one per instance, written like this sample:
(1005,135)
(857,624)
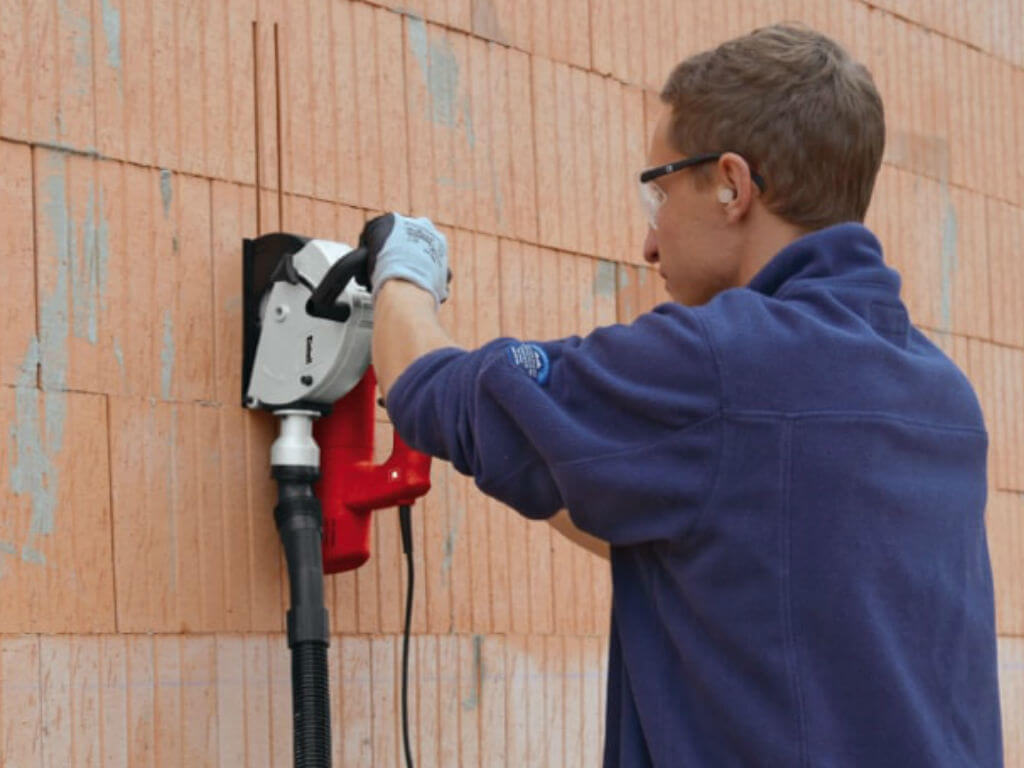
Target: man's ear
(734,178)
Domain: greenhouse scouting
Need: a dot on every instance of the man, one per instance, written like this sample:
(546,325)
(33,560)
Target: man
(790,477)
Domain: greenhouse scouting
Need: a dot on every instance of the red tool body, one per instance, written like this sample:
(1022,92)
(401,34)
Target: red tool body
(351,486)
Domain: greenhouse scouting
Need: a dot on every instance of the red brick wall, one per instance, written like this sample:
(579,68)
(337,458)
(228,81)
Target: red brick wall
(142,589)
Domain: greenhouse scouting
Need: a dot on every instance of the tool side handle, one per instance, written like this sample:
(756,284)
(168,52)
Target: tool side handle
(321,303)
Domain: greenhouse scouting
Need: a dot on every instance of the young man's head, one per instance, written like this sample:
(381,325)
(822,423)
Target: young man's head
(798,130)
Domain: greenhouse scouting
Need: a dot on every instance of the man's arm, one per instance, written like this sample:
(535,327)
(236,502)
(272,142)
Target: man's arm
(405,327)
(562,523)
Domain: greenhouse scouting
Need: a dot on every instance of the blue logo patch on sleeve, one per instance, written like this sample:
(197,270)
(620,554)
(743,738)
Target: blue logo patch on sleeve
(531,359)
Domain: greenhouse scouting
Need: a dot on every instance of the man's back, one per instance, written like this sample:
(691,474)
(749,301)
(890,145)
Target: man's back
(792,479)
(831,604)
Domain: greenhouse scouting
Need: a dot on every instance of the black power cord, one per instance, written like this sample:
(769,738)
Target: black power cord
(405,522)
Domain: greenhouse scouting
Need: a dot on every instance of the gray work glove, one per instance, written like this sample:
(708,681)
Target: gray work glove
(406,249)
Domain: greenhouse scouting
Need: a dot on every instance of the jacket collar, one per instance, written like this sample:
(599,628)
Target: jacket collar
(843,253)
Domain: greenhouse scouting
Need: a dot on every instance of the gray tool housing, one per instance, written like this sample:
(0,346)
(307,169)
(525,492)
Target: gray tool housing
(305,359)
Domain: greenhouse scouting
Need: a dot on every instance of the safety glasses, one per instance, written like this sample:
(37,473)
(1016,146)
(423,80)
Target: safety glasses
(652,196)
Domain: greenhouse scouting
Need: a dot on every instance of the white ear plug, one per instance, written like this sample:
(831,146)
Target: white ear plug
(726,194)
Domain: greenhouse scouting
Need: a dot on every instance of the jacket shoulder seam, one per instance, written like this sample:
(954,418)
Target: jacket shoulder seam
(825,415)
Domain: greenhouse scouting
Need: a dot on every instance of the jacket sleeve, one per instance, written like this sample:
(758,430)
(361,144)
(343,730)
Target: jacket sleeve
(621,427)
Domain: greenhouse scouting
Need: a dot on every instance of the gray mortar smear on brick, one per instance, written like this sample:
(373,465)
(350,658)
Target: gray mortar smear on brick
(81,255)
(167,352)
(33,472)
(111,19)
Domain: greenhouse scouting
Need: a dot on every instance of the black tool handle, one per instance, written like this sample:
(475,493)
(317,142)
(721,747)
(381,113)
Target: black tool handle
(356,263)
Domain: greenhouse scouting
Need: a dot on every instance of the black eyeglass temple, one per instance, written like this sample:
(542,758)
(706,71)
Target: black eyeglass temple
(653,173)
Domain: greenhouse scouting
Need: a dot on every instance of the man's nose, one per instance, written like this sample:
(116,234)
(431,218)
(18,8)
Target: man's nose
(650,247)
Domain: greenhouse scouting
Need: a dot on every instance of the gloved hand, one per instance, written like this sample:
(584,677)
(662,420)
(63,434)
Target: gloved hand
(407,249)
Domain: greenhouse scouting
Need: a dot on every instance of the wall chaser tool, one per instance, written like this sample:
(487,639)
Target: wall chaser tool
(308,323)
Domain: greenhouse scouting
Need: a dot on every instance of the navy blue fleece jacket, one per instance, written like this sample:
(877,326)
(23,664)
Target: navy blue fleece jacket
(792,481)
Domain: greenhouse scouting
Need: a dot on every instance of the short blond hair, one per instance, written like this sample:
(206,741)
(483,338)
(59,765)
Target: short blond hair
(797,107)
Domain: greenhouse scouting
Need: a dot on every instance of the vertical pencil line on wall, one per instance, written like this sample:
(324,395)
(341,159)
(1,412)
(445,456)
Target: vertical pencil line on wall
(277,114)
(256,120)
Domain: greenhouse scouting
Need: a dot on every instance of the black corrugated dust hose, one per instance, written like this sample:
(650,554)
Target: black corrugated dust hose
(299,523)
